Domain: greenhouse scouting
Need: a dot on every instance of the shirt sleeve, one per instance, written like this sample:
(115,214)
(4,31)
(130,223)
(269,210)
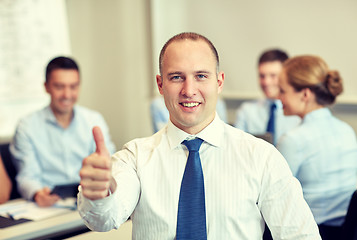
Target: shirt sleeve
(98,214)
(28,169)
(282,203)
(110,212)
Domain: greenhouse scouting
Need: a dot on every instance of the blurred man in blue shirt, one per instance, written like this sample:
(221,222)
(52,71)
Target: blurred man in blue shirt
(253,116)
(49,145)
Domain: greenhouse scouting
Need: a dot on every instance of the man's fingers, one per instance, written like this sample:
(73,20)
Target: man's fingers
(99,142)
(46,190)
(95,173)
(96,170)
(94,185)
(94,195)
(96,161)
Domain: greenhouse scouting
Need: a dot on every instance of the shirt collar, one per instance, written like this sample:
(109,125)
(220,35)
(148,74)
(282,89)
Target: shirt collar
(319,113)
(277,102)
(50,117)
(212,134)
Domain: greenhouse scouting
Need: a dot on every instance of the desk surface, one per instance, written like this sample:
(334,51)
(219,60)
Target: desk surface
(64,223)
(123,232)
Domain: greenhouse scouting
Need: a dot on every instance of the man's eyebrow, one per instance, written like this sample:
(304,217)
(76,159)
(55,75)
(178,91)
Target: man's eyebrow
(174,73)
(203,71)
(196,72)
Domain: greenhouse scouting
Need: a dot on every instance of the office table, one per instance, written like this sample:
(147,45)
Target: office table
(60,226)
(123,233)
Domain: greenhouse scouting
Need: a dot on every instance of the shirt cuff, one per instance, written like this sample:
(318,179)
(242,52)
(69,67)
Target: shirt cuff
(86,205)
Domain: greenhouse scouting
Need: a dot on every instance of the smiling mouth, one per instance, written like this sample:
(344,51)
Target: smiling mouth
(190,104)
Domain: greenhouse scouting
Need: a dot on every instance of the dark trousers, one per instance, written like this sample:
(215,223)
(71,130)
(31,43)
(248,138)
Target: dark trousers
(330,232)
(326,232)
(267,234)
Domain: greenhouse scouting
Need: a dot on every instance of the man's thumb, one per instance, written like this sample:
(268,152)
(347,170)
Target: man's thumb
(99,141)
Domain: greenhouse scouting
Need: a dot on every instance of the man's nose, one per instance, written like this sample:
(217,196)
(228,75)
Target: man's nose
(189,87)
(67,93)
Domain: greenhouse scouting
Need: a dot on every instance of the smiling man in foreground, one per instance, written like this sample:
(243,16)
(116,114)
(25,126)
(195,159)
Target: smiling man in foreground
(232,182)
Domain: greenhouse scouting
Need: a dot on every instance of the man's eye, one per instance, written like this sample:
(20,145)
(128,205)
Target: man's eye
(58,87)
(201,76)
(74,87)
(175,78)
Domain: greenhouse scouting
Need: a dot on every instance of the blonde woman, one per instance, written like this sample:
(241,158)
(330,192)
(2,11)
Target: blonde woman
(322,150)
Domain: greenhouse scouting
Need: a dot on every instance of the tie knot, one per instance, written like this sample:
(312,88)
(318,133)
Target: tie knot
(193,145)
(273,106)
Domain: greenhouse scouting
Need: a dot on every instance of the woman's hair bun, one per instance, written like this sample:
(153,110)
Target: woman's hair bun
(334,82)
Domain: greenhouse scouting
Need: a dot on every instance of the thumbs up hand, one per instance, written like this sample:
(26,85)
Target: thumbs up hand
(96,175)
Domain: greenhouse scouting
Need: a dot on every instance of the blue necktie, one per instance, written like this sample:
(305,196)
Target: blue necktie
(271,122)
(191,216)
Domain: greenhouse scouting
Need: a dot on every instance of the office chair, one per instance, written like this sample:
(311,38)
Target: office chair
(349,227)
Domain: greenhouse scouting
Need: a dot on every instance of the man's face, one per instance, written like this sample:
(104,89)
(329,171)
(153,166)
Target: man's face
(189,84)
(291,99)
(269,78)
(63,86)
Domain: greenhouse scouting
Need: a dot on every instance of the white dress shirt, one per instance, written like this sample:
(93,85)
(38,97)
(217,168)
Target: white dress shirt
(246,179)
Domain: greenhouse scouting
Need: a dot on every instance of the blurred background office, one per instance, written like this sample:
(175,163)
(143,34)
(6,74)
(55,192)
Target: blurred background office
(117,43)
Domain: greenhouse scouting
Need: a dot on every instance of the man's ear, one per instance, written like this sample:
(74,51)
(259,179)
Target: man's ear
(46,87)
(159,83)
(220,81)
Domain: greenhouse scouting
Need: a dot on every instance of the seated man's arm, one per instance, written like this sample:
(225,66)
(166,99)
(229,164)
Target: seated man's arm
(28,168)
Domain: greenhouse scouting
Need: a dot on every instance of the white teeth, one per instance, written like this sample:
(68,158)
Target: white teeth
(190,104)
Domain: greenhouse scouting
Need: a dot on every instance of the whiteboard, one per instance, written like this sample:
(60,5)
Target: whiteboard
(31,33)
(242,30)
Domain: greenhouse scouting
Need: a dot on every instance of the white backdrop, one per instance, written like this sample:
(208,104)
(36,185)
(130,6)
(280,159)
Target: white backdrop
(31,33)
(241,30)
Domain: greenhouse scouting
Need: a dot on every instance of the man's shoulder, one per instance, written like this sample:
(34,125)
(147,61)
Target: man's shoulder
(85,110)
(140,147)
(252,146)
(234,135)
(35,116)
(87,113)
(148,142)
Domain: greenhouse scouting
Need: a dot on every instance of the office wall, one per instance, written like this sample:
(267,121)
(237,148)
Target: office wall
(31,33)
(111,41)
(117,43)
(241,30)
